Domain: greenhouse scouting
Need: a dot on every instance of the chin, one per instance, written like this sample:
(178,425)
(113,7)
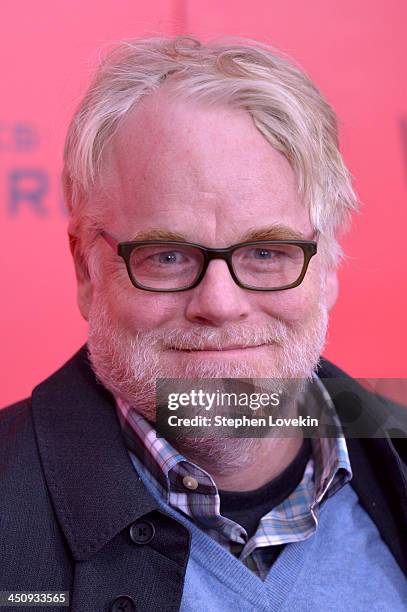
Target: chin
(261,362)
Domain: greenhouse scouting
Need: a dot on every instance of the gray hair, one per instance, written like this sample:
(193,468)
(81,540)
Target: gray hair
(285,106)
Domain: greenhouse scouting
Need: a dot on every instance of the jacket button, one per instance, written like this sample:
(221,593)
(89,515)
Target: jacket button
(142,532)
(123,603)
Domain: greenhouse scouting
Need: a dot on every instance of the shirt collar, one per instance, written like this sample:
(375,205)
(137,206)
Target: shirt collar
(159,457)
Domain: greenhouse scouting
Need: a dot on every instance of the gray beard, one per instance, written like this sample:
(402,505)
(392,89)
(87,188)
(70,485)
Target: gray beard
(129,364)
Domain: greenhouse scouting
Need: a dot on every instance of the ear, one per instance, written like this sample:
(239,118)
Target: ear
(84,282)
(331,287)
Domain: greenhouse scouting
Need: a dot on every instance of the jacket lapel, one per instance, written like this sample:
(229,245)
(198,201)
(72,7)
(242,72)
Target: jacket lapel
(378,464)
(91,479)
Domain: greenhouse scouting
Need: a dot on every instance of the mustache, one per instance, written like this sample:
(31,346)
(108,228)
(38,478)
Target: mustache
(212,338)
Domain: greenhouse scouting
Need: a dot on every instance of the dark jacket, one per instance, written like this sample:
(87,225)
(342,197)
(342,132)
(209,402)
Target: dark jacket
(69,497)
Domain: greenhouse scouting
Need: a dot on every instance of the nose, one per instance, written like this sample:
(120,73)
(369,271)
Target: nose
(217,299)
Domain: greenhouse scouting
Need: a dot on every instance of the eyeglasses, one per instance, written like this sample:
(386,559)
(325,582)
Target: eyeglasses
(172,265)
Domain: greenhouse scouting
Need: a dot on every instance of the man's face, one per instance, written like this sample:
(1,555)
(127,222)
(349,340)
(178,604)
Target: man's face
(209,175)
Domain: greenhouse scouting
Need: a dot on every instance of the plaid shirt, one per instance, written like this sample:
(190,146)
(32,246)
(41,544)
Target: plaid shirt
(293,520)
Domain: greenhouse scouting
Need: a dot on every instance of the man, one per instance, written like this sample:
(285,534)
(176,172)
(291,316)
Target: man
(206,194)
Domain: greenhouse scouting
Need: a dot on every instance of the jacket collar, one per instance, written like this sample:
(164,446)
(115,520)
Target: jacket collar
(87,468)
(379,461)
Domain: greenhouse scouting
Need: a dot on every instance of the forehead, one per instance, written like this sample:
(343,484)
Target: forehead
(204,171)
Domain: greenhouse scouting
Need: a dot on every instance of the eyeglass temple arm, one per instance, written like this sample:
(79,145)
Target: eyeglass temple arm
(111,241)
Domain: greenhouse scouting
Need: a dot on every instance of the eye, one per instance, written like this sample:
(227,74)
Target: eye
(170,257)
(165,256)
(264,253)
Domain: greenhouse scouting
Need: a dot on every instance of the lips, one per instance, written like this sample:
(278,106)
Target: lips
(232,347)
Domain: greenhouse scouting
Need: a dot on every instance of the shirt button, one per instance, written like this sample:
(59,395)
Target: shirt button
(142,532)
(190,482)
(123,603)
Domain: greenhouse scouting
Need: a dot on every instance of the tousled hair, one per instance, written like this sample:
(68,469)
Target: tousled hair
(285,106)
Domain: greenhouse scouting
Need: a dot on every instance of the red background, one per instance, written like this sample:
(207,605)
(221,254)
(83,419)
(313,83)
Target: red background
(356,52)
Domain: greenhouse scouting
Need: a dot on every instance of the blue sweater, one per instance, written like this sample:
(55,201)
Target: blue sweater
(344,566)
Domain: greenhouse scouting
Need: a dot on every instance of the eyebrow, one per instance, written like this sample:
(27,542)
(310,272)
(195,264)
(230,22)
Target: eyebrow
(156,233)
(270,232)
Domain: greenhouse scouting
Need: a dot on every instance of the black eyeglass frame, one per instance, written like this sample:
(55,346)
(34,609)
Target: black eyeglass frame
(125,249)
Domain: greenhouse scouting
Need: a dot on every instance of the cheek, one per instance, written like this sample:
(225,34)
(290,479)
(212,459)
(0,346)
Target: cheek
(144,310)
(293,305)
(134,309)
